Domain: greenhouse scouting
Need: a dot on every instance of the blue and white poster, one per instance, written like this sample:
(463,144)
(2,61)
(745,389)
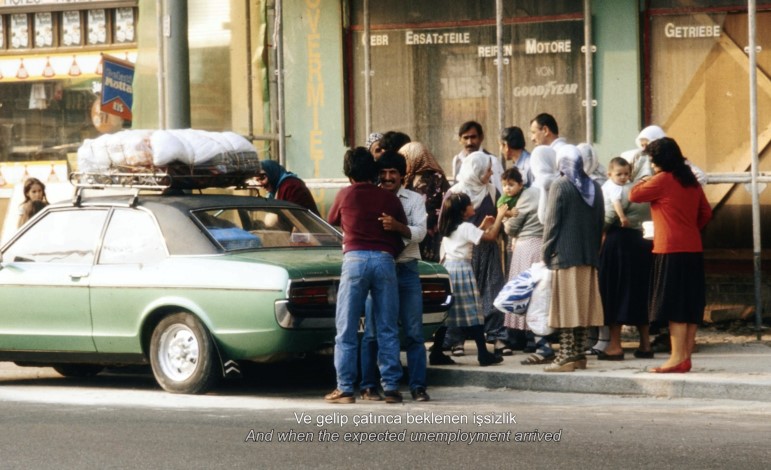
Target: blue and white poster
(117,87)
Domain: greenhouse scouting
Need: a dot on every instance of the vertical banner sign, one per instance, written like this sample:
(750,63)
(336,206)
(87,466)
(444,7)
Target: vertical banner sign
(117,89)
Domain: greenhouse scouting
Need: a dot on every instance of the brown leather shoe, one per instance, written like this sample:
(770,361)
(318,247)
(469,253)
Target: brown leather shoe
(370,394)
(339,396)
(393,396)
(420,394)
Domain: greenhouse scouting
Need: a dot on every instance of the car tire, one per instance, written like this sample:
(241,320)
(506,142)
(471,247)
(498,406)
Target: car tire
(78,370)
(182,355)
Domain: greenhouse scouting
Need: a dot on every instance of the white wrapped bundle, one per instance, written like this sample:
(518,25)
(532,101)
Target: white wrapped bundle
(136,148)
(195,158)
(170,146)
(93,157)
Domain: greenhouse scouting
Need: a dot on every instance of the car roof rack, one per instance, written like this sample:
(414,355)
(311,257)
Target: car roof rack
(150,181)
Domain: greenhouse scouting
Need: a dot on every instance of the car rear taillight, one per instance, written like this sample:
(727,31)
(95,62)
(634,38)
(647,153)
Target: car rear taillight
(437,295)
(313,295)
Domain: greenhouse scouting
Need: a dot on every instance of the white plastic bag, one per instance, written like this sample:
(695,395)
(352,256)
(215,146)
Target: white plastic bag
(515,295)
(538,311)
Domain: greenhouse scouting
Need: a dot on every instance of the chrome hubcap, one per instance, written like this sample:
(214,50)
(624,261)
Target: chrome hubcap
(178,352)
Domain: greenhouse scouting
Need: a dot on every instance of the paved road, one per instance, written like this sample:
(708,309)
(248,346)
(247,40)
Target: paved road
(123,420)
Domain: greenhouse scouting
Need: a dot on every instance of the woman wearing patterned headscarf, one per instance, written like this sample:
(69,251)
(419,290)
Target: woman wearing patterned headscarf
(426,177)
(486,262)
(571,245)
(285,185)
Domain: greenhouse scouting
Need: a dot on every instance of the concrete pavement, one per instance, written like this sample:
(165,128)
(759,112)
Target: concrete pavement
(735,371)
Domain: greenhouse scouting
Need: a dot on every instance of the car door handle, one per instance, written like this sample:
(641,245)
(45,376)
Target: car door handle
(78,276)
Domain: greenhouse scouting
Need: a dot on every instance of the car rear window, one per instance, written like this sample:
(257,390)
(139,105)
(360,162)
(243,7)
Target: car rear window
(242,228)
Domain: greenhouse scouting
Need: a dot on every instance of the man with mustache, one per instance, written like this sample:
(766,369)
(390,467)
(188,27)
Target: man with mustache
(392,166)
(471,136)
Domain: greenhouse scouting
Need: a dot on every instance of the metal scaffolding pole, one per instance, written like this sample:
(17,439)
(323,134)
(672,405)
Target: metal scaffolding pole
(499,43)
(588,50)
(367,75)
(279,41)
(752,51)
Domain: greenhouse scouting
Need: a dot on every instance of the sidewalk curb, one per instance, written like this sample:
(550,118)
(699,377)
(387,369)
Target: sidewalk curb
(642,383)
(721,371)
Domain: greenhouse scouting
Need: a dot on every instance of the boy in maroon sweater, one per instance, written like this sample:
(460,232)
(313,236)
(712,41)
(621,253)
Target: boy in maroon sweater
(369,268)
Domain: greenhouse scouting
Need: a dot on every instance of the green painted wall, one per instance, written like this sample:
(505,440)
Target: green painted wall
(617,76)
(314,103)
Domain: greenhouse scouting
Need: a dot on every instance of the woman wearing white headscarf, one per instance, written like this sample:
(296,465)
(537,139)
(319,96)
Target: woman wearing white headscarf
(571,245)
(592,165)
(653,132)
(543,164)
(474,180)
(526,232)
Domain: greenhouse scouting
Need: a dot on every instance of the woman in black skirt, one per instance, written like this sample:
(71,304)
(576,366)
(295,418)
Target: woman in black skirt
(680,211)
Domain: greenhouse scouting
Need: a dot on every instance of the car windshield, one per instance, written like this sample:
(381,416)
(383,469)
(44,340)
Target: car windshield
(243,228)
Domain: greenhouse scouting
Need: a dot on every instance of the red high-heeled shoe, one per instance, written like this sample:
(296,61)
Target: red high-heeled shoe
(681,368)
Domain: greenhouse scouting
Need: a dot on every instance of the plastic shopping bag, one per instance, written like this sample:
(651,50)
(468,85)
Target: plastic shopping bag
(538,311)
(515,295)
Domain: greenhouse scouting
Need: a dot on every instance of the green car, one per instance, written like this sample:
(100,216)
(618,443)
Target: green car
(191,284)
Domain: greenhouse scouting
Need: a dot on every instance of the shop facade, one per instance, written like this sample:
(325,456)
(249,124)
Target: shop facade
(431,65)
(50,77)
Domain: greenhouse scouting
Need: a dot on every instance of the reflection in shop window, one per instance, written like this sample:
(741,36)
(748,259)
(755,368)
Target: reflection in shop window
(43,120)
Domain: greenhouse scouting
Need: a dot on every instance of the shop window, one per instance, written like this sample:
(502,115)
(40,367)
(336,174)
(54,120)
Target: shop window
(428,78)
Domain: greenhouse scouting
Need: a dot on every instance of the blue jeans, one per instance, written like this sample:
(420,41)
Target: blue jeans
(411,319)
(367,272)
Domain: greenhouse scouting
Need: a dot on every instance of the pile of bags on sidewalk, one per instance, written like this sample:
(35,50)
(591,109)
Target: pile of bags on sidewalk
(529,294)
(193,158)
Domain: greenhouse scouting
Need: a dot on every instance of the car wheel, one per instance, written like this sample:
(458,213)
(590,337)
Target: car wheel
(78,370)
(182,355)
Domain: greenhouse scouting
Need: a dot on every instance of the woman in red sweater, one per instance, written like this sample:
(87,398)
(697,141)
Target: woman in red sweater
(680,211)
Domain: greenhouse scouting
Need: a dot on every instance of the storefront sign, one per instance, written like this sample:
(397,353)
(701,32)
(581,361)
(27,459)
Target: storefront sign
(534,46)
(492,51)
(21,3)
(673,31)
(412,38)
(117,88)
(550,88)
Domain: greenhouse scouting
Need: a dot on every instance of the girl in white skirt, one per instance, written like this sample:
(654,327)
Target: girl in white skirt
(459,238)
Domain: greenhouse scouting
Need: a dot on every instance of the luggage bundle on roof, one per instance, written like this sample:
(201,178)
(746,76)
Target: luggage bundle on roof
(177,158)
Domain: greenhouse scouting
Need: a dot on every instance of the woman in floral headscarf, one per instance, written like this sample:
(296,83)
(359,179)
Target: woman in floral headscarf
(425,176)
(571,245)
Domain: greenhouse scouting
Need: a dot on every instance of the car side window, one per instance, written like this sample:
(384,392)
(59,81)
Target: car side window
(132,238)
(62,236)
